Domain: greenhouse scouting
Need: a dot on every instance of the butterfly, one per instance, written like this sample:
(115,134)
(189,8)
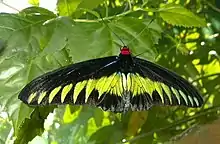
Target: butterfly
(115,83)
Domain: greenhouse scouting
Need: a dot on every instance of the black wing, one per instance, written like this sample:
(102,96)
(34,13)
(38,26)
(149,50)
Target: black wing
(159,86)
(81,83)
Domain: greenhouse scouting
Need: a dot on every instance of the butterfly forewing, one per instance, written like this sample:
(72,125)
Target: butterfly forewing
(75,84)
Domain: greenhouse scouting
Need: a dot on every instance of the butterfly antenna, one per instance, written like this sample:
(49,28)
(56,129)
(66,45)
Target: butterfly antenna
(140,53)
(111,29)
(141,31)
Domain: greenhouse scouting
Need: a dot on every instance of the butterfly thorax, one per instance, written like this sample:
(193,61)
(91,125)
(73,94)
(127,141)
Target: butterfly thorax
(125,61)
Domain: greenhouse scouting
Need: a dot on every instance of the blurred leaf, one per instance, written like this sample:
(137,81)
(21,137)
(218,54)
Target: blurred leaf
(2,45)
(75,131)
(98,117)
(107,135)
(68,7)
(9,23)
(34,2)
(68,117)
(5,128)
(87,4)
(33,126)
(136,121)
(39,140)
(178,15)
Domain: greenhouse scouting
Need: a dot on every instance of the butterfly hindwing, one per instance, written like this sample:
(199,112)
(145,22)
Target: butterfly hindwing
(165,87)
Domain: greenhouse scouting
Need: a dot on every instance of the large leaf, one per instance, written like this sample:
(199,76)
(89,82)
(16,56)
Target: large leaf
(180,16)
(19,63)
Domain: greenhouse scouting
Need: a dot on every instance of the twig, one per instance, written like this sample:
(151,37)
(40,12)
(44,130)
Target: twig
(1,1)
(212,6)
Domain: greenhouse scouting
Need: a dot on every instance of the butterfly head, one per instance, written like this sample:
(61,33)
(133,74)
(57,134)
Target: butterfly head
(125,51)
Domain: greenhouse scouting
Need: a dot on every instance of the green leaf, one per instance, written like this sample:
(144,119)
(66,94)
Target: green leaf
(75,127)
(110,134)
(5,127)
(180,16)
(38,11)
(33,126)
(19,64)
(87,4)
(69,7)
(2,45)
(9,23)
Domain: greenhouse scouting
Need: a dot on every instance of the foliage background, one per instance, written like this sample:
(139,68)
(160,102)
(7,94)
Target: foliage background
(184,37)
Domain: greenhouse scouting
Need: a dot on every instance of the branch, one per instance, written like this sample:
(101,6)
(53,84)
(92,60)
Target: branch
(115,16)
(212,6)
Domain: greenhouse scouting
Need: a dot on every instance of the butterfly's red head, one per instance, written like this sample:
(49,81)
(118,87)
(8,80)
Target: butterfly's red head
(125,51)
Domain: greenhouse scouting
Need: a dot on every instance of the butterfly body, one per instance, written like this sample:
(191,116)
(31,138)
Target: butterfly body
(116,83)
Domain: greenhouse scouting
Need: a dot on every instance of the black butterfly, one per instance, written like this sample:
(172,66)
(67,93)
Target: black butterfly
(115,83)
